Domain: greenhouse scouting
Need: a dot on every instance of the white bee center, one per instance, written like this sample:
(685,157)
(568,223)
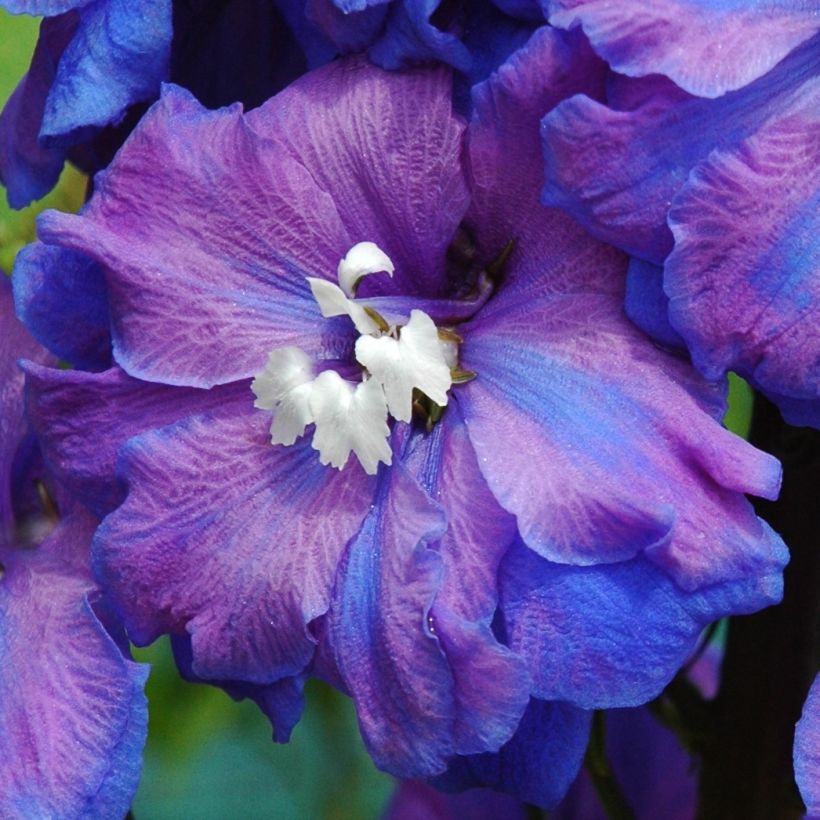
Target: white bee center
(350,416)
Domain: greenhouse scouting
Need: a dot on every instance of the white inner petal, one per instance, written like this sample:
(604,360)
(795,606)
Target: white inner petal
(361,260)
(284,386)
(415,359)
(333,302)
(350,417)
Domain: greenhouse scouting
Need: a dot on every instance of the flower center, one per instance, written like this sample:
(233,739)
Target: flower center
(405,366)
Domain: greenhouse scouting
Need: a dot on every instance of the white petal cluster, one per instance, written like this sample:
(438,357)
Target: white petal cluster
(352,417)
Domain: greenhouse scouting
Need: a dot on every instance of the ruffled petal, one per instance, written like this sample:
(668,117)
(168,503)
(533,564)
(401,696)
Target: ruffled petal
(231,539)
(744,276)
(44,8)
(609,636)
(538,764)
(410,37)
(606,401)
(74,716)
(282,702)
(61,297)
(705,47)
(647,304)
(15,342)
(349,31)
(118,56)
(505,158)
(396,177)
(616,171)
(82,420)
(491,683)
(414,800)
(28,169)
(388,656)
(807,751)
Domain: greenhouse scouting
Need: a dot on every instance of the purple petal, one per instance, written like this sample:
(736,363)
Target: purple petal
(61,297)
(15,342)
(415,800)
(609,636)
(491,685)
(647,305)
(74,716)
(505,157)
(83,419)
(807,751)
(411,37)
(538,764)
(616,171)
(744,276)
(348,29)
(705,47)
(118,56)
(396,178)
(282,702)
(28,169)
(228,538)
(385,649)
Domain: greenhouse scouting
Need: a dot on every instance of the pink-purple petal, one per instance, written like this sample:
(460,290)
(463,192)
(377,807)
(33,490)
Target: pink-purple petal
(74,715)
(200,247)
(807,751)
(707,47)
(229,539)
(744,276)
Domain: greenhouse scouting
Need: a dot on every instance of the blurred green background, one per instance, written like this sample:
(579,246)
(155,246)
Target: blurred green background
(208,757)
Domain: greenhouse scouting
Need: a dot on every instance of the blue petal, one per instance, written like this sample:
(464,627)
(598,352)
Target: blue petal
(118,56)
(538,764)
(615,635)
(647,305)
(61,297)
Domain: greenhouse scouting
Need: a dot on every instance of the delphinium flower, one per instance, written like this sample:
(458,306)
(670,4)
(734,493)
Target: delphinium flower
(73,717)
(807,751)
(97,65)
(377,416)
(705,161)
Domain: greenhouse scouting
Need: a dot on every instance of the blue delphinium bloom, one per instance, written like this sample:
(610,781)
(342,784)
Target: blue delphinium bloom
(704,165)
(376,415)
(73,718)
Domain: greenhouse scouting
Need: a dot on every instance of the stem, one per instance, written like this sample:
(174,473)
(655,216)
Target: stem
(609,792)
(771,657)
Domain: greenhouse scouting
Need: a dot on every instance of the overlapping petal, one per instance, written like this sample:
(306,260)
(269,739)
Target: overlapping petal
(74,715)
(605,401)
(118,56)
(616,171)
(230,539)
(51,281)
(744,276)
(82,419)
(706,47)
(614,635)
(807,751)
(540,761)
(28,170)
